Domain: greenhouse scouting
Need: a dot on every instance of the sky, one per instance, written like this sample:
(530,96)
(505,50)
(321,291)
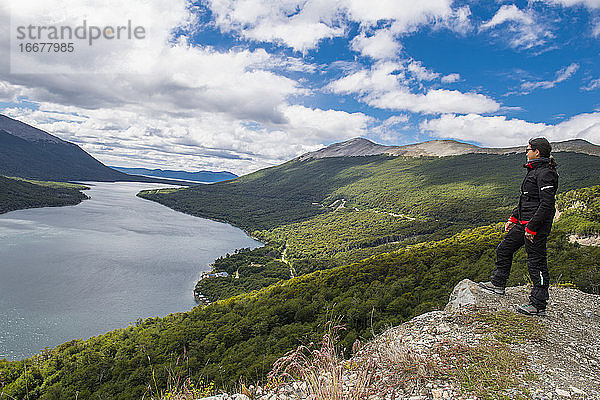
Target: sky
(240,85)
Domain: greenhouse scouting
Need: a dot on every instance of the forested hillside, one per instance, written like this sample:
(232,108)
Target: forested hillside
(368,263)
(242,336)
(333,211)
(473,188)
(580,211)
(16,194)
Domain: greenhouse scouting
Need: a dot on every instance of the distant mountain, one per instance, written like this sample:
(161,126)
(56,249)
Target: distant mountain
(200,176)
(30,152)
(363,147)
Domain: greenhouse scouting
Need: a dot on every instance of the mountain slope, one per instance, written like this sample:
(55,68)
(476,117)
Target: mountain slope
(49,160)
(473,188)
(29,152)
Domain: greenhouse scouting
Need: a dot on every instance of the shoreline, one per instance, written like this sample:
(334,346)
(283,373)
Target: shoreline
(46,194)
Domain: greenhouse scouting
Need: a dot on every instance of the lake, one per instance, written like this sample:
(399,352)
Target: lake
(79,271)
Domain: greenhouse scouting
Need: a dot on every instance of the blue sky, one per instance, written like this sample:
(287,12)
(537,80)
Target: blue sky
(243,84)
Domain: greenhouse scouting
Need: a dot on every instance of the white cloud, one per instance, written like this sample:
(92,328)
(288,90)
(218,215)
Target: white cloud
(506,13)
(156,18)
(384,86)
(301,25)
(523,27)
(417,69)
(379,46)
(9,92)
(406,15)
(561,75)
(395,120)
(388,130)
(195,107)
(459,20)
(183,79)
(593,85)
(451,78)
(571,3)
(297,24)
(435,102)
(135,137)
(596,30)
(379,78)
(498,131)
(324,125)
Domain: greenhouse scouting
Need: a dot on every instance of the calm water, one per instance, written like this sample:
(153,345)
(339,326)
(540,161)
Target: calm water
(76,272)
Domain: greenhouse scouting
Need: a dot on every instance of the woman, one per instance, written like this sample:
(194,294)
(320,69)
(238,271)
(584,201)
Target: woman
(530,225)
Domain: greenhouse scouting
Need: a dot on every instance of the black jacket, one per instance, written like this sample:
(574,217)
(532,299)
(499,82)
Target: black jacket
(536,205)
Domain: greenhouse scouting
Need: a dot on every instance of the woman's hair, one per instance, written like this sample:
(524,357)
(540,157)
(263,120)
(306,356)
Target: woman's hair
(544,146)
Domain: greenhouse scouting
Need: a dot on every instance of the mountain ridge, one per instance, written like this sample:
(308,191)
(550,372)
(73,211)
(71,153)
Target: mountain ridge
(198,176)
(363,147)
(26,131)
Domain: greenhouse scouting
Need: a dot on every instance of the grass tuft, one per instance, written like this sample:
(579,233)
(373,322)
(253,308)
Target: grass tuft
(506,326)
(490,370)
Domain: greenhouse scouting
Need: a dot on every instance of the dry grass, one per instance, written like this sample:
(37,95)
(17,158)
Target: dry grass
(322,373)
(401,367)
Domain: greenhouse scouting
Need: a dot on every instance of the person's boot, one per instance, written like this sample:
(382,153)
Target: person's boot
(490,287)
(530,309)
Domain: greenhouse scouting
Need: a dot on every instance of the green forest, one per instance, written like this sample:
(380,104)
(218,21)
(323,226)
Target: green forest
(393,251)
(17,194)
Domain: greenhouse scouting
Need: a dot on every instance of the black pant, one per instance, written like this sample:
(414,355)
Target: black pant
(536,263)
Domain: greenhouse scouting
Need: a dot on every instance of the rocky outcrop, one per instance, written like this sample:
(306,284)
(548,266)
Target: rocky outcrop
(585,240)
(477,347)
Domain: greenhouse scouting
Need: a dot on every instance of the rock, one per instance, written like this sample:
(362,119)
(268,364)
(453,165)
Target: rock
(240,397)
(461,296)
(437,393)
(577,390)
(443,328)
(562,393)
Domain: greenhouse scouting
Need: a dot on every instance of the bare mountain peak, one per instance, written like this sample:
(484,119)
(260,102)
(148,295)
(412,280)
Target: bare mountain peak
(354,147)
(358,140)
